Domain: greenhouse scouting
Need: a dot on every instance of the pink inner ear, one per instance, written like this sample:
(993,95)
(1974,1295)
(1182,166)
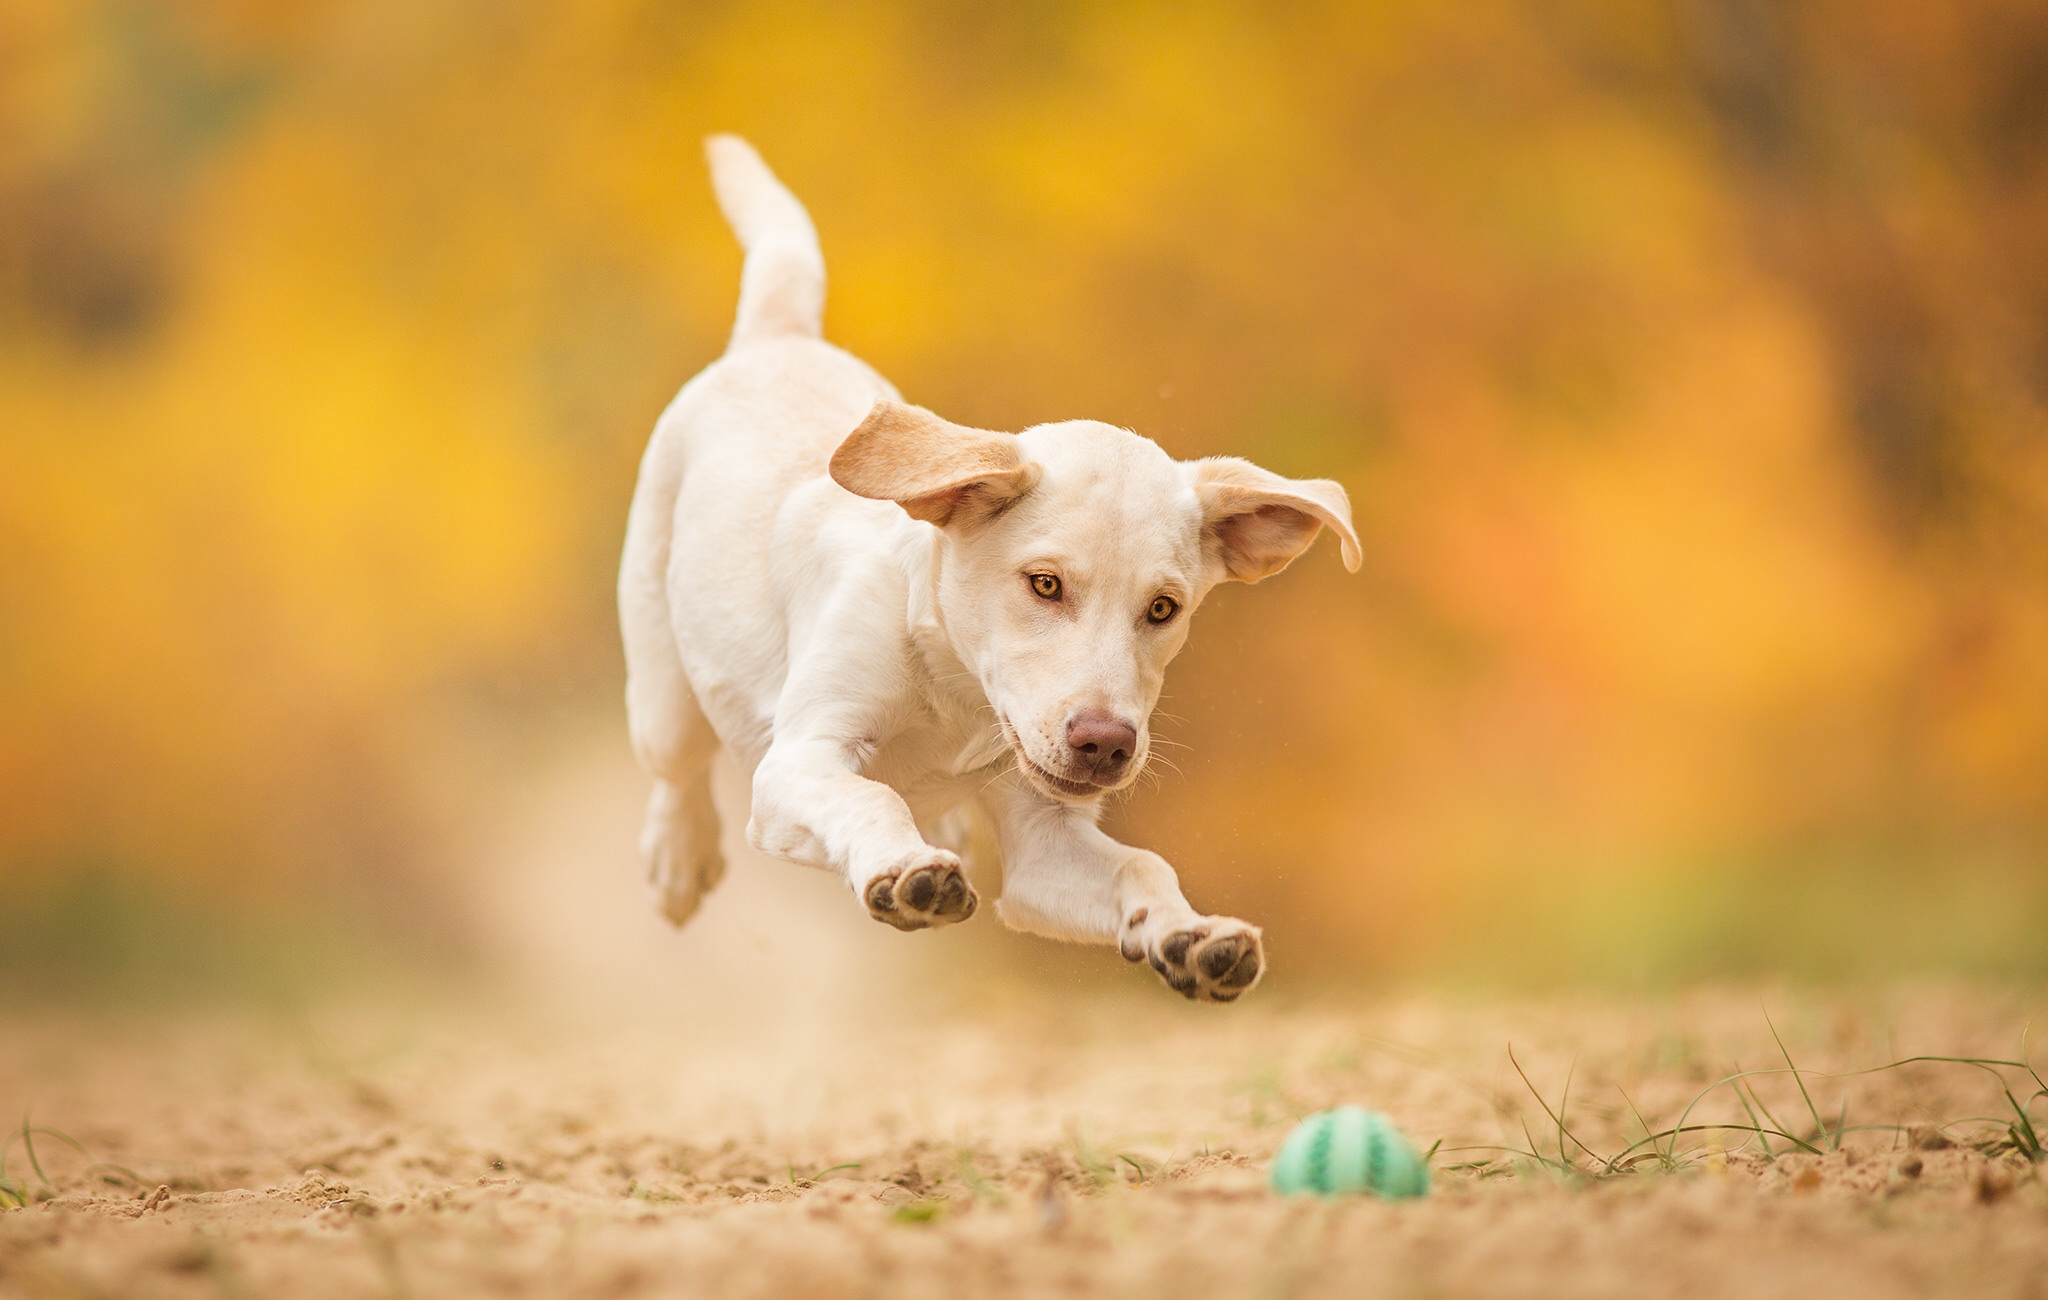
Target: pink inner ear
(965,504)
(937,508)
(1261,542)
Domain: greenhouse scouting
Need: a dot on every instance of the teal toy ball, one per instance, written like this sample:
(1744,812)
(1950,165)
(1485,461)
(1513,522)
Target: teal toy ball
(1349,1149)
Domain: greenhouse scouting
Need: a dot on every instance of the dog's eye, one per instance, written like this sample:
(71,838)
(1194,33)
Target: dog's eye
(1046,585)
(1163,609)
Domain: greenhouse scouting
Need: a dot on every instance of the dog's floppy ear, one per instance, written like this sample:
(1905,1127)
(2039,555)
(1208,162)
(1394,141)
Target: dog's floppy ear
(1255,522)
(938,471)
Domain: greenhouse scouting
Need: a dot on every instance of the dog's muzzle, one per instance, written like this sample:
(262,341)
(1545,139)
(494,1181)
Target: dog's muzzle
(1101,750)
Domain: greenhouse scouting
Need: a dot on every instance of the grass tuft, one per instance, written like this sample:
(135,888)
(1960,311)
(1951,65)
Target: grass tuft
(19,1194)
(1572,1158)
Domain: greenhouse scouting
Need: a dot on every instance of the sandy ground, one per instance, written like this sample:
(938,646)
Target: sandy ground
(789,1100)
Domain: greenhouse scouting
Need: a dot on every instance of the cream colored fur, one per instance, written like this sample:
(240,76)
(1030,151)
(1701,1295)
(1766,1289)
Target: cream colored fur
(848,594)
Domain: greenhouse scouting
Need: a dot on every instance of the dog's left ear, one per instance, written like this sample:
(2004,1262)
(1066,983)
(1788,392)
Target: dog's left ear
(1255,522)
(938,471)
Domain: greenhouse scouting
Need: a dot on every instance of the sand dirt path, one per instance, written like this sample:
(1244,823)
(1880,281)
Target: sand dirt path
(791,1101)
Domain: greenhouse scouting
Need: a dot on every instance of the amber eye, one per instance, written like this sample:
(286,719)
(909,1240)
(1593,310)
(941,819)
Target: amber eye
(1046,585)
(1163,609)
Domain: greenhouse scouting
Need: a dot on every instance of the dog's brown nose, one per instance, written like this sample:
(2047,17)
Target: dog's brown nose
(1101,743)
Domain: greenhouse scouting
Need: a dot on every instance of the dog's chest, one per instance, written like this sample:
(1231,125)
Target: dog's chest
(942,745)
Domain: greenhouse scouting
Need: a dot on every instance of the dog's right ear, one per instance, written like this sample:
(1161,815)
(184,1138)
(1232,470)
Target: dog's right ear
(938,471)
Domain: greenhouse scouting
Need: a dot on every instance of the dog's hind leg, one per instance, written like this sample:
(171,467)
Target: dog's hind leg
(679,842)
(675,743)
(671,736)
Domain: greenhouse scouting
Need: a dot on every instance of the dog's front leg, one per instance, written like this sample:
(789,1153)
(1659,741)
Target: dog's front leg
(812,805)
(1065,879)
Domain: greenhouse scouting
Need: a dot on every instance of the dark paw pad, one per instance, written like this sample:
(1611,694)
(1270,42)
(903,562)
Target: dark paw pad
(1230,963)
(1175,949)
(934,894)
(1201,964)
(881,901)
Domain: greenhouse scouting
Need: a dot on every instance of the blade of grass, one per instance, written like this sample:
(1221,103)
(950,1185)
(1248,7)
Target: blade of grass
(2023,1135)
(1778,1124)
(1535,1152)
(1564,1102)
(1981,1062)
(28,1144)
(1555,1117)
(1820,1125)
(1755,1123)
(1644,1124)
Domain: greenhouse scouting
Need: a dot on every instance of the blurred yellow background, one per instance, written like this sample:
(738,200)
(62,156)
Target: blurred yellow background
(1686,360)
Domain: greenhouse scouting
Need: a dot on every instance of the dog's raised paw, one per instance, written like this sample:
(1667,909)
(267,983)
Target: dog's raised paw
(921,894)
(1209,959)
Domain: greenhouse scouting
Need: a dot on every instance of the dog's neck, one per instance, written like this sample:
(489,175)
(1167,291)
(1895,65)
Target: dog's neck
(951,689)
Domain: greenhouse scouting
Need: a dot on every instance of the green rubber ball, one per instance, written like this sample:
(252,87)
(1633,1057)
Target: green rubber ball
(1349,1149)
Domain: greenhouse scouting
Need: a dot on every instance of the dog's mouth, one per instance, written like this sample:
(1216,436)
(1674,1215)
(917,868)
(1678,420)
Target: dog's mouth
(1058,784)
(1059,787)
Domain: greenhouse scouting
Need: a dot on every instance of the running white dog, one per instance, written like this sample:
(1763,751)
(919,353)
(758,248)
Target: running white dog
(883,616)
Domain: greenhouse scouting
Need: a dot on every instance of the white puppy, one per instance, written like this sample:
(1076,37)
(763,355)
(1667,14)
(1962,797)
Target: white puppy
(883,616)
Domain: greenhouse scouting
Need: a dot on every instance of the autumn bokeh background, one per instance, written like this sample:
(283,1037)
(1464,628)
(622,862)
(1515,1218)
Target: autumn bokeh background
(1687,362)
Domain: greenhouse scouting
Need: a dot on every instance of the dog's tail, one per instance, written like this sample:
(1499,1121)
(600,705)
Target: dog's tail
(782,288)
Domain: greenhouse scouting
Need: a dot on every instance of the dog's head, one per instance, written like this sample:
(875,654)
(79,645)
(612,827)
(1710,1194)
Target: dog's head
(1072,556)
